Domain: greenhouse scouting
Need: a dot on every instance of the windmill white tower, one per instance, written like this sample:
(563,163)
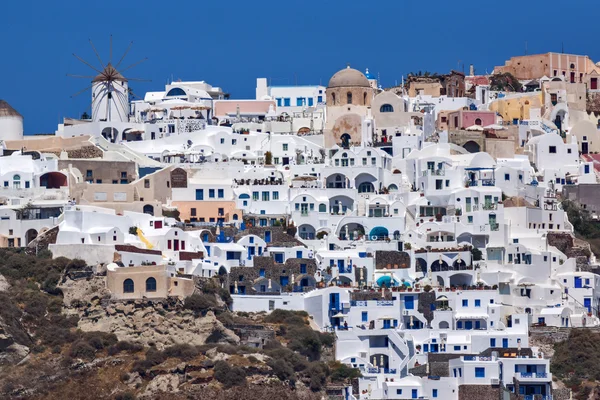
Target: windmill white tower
(110,89)
(110,96)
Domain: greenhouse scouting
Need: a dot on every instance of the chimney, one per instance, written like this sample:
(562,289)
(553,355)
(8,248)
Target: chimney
(471,70)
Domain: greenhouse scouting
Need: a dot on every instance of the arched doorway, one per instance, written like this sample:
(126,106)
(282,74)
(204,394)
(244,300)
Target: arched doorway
(380,360)
(379,233)
(53,180)
(149,209)
(303,131)
(421,265)
(439,265)
(30,235)
(110,134)
(345,140)
(306,232)
(472,147)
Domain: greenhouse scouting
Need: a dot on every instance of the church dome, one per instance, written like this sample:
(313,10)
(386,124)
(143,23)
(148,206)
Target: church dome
(6,110)
(348,77)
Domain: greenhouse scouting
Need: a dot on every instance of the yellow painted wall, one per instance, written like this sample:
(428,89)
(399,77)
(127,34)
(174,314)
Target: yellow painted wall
(518,108)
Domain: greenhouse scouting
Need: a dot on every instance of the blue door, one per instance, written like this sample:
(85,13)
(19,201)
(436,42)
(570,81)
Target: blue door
(386,324)
(334,301)
(468,325)
(340,265)
(250,252)
(284,280)
(477,324)
(409,302)
(492,342)
(505,343)
(279,258)
(578,282)
(299,254)
(268,236)
(587,303)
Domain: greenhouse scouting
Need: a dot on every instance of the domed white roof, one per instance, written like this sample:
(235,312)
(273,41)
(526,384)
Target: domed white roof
(348,77)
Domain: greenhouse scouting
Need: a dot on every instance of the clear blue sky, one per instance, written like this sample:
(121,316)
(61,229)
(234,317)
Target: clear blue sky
(231,43)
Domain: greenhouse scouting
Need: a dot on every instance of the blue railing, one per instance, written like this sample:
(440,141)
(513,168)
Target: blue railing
(385,302)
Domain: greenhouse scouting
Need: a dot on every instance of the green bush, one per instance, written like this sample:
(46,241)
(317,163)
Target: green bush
(153,357)
(318,376)
(100,340)
(286,317)
(44,254)
(476,253)
(83,350)
(200,303)
(305,341)
(342,373)
(184,352)
(297,362)
(282,369)
(228,375)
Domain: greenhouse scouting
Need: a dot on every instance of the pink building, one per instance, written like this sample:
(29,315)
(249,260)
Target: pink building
(463,119)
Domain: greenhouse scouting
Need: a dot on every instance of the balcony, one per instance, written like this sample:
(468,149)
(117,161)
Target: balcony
(537,397)
(533,376)
(479,358)
(434,172)
(482,182)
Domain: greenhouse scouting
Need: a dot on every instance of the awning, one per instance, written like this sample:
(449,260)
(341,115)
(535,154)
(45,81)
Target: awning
(386,318)
(442,298)
(339,315)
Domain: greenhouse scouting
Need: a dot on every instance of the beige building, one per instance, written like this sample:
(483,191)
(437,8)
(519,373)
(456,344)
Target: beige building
(349,97)
(451,85)
(573,68)
(150,282)
(208,211)
(588,137)
(391,115)
(101,171)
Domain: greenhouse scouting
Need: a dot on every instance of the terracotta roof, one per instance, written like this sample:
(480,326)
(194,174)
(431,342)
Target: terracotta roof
(189,255)
(132,249)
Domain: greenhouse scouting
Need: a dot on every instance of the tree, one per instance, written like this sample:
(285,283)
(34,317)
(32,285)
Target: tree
(505,82)
(268,158)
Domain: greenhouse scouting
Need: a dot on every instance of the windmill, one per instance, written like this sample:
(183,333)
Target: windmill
(110,89)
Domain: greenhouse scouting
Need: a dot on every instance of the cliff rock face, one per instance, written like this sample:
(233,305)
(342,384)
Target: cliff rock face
(163,322)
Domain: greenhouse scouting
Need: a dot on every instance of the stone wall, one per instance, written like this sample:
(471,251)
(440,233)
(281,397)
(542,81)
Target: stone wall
(426,299)
(253,335)
(250,279)
(478,392)
(366,295)
(391,259)
(279,234)
(42,241)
